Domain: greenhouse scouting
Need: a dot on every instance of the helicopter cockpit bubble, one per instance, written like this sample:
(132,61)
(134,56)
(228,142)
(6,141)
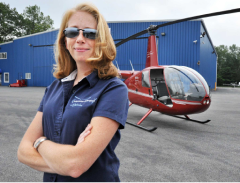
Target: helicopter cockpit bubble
(183,84)
(200,77)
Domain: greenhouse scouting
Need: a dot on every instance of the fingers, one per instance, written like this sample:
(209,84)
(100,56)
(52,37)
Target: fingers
(89,127)
(84,134)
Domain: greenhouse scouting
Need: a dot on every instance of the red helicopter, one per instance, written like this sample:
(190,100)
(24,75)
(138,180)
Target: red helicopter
(171,90)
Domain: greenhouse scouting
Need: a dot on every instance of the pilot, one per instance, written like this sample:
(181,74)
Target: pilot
(76,128)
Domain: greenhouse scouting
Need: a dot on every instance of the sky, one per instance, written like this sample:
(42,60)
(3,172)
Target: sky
(223,29)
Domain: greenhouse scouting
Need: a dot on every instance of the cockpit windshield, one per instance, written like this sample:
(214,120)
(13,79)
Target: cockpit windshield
(183,84)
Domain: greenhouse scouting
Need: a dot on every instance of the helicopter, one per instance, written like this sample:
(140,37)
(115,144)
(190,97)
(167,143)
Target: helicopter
(169,89)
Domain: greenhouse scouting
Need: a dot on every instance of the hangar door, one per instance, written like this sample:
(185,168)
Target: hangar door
(43,65)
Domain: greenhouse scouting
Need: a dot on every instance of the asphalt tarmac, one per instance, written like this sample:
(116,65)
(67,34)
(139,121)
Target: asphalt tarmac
(178,150)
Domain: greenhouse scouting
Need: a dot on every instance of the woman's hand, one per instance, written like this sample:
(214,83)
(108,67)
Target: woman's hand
(84,134)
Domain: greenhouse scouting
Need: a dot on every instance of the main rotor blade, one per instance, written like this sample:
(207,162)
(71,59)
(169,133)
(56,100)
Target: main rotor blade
(177,21)
(131,37)
(199,16)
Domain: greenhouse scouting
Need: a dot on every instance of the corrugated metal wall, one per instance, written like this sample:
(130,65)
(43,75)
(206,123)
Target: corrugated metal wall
(43,58)
(208,59)
(27,55)
(175,48)
(5,63)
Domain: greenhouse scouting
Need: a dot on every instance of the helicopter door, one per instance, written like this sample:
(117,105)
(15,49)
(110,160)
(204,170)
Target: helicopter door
(145,79)
(159,88)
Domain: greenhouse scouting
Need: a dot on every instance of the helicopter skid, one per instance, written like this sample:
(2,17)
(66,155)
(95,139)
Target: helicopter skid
(193,120)
(141,120)
(142,127)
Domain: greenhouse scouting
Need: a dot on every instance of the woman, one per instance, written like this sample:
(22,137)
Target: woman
(86,95)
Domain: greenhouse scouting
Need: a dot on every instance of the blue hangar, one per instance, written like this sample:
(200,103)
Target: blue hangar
(185,44)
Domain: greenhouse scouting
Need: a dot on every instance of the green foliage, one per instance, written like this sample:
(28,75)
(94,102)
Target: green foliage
(10,23)
(228,68)
(13,24)
(35,20)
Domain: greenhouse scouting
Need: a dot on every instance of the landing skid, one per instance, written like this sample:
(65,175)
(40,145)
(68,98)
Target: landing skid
(141,120)
(193,120)
(142,127)
(150,129)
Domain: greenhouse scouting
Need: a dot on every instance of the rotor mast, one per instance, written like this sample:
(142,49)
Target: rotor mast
(152,57)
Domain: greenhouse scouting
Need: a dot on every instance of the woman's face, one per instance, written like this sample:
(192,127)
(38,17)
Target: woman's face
(81,48)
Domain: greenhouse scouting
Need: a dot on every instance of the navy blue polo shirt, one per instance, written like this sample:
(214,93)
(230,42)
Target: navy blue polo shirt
(67,111)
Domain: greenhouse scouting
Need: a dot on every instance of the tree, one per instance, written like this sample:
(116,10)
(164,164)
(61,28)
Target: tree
(228,67)
(35,20)
(13,24)
(235,62)
(10,23)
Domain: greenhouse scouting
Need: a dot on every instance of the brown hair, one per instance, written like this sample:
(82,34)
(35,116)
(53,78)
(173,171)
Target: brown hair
(104,53)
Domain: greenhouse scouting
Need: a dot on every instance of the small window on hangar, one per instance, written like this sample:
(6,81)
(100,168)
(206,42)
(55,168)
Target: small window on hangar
(27,75)
(6,77)
(3,55)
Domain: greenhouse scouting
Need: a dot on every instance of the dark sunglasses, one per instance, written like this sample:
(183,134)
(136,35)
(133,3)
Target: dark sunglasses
(72,32)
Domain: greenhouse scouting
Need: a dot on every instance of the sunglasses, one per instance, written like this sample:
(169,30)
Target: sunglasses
(72,32)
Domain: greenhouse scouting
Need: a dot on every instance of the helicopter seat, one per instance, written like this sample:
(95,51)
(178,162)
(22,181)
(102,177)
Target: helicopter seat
(163,94)
(154,82)
(162,89)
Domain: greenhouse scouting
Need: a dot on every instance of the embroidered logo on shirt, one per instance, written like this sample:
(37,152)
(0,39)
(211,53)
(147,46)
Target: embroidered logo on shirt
(80,102)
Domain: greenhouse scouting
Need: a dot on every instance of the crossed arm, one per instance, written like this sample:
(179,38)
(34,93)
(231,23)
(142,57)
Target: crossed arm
(66,160)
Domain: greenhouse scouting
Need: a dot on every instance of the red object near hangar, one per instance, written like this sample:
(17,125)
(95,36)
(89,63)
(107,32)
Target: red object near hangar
(20,83)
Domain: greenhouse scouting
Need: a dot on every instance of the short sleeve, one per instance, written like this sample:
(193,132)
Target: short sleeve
(40,108)
(114,103)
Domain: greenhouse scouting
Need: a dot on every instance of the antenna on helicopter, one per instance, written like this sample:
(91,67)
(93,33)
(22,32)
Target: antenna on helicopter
(131,65)
(118,68)
(117,65)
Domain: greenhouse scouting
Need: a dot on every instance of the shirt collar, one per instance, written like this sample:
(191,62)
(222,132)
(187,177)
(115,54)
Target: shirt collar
(91,78)
(70,77)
